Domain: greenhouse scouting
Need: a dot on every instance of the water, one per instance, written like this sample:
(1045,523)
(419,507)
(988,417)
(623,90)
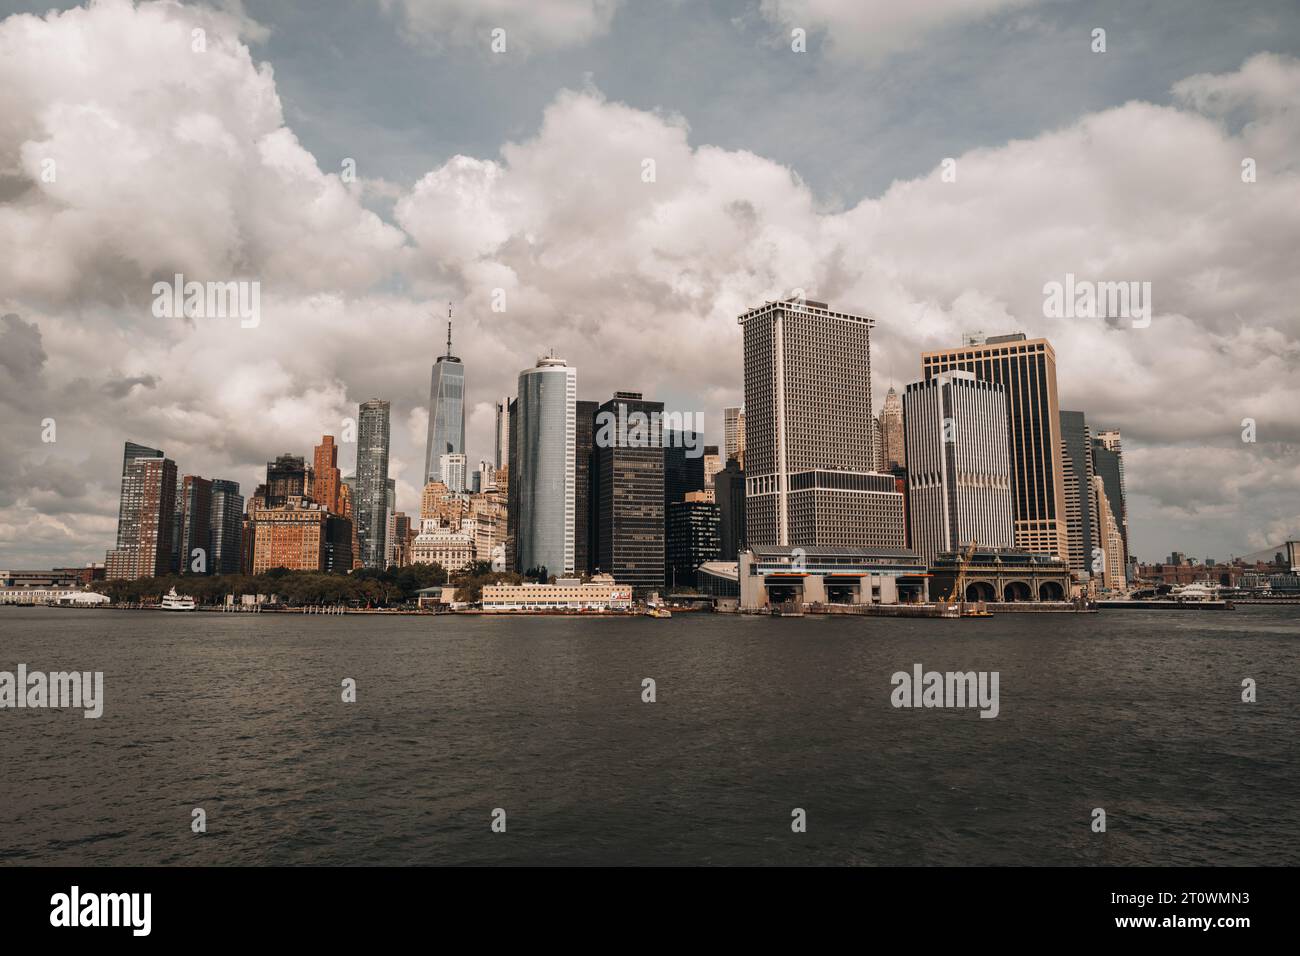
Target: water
(1135,712)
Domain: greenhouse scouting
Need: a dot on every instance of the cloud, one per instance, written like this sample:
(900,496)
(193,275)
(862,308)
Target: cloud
(872,28)
(153,157)
(174,161)
(529,25)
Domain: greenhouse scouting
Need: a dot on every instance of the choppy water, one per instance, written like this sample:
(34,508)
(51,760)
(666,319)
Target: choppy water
(1135,712)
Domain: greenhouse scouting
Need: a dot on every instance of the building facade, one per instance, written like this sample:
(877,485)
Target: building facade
(893,446)
(729,493)
(959,474)
(1026,370)
(446,431)
(808,449)
(326,478)
(1076,470)
(629,491)
(543,475)
(733,433)
(145,516)
(370,503)
(693,538)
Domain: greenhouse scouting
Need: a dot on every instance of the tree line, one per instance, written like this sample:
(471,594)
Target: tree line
(364,587)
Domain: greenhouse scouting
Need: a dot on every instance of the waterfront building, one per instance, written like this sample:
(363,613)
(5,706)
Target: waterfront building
(452,548)
(1077,473)
(601,593)
(808,456)
(959,473)
(780,574)
(370,501)
(145,516)
(629,491)
(1001,575)
(543,467)
(292,536)
(446,431)
(1026,370)
(225,531)
(192,526)
(693,538)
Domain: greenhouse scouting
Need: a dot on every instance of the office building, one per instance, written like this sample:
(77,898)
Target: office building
(501,442)
(1026,370)
(1077,473)
(693,538)
(629,491)
(326,479)
(729,493)
(286,477)
(733,433)
(893,448)
(584,483)
(959,464)
(451,472)
(146,508)
(192,526)
(446,432)
(543,477)
(808,455)
(371,500)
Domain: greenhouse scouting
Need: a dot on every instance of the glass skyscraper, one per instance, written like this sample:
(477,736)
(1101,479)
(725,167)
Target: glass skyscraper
(371,505)
(446,414)
(542,474)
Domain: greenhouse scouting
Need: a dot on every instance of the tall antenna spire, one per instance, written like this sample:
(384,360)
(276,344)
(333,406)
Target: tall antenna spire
(448,330)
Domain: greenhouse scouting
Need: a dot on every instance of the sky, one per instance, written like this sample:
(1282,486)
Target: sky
(618,183)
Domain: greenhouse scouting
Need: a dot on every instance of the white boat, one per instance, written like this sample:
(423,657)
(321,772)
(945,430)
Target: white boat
(177,602)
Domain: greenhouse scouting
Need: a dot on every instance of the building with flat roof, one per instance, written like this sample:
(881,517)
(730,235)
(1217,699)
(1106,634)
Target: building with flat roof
(601,593)
(779,574)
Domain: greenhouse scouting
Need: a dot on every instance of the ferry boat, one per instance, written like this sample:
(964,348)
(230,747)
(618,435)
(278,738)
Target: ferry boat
(177,602)
(658,612)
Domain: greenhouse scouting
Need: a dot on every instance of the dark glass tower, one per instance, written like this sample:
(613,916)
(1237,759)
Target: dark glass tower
(630,491)
(371,503)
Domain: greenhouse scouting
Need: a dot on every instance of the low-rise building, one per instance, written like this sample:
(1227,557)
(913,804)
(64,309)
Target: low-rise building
(601,593)
(779,574)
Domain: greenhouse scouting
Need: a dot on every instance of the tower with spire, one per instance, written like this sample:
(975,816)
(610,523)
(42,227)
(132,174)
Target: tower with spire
(446,436)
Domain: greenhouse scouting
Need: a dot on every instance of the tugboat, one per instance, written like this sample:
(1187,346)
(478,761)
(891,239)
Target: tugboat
(177,602)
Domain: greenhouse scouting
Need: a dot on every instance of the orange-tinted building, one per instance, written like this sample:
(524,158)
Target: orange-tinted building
(292,537)
(326,483)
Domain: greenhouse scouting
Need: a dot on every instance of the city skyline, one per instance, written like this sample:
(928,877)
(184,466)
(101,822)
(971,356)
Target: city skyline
(737,213)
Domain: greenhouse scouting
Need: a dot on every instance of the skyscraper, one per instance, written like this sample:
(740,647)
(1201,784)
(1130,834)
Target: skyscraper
(959,473)
(543,467)
(808,456)
(1080,522)
(446,413)
(326,479)
(226,527)
(371,502)
(692,538)
(1026,369)
(584,478)
(893,449)
(629,485)
(145,514)
(1108,467)
(733,433)
(501,444)
(193,526)
(729,492)
(286,476)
